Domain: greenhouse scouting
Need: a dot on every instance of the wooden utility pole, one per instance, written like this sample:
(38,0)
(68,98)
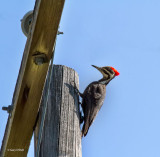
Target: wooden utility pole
(61,135)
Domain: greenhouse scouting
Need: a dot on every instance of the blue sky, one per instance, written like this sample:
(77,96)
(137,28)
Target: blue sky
(124,34)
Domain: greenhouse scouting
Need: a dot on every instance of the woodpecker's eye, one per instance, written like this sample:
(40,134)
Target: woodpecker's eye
(107,69)
(110,70)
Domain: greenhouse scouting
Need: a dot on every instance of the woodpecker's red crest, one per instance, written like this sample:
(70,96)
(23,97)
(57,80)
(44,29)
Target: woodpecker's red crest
(116,72)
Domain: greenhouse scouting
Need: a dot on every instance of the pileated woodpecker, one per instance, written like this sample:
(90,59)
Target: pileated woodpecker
(93,96)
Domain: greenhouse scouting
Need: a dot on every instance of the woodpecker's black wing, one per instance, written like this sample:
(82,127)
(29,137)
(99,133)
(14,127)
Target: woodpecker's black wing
(93,98)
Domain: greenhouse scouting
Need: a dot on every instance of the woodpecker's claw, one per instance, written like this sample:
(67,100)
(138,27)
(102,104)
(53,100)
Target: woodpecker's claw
(79,103)
(77,91)
(81,118)
(81,95)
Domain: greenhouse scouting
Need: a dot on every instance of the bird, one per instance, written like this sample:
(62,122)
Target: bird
(94,95)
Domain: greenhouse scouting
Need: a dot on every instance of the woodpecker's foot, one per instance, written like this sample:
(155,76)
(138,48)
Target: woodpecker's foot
(76,90)
(79,103)
(81,118)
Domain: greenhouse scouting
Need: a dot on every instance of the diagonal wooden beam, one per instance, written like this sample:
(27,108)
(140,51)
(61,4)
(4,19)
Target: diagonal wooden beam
(31,78)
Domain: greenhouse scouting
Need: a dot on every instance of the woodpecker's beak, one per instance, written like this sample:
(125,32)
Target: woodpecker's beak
(102,70)
(95,67)
(98,68)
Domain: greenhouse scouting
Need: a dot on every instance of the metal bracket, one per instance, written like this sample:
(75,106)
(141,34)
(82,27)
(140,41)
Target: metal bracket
(58,33)
(40,58)
(8,109)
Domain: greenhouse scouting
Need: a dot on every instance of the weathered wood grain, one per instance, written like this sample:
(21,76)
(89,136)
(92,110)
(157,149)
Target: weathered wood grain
(61,133)
(30,82)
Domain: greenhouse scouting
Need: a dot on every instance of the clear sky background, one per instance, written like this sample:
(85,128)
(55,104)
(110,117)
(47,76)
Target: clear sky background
(124,34)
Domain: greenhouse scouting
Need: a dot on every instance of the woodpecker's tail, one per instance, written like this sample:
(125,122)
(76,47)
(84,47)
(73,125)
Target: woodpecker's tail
(85,129)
